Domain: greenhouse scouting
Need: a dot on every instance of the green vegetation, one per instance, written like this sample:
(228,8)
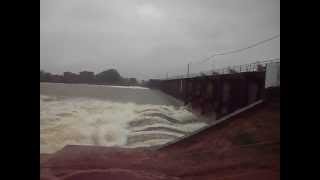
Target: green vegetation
(111,77)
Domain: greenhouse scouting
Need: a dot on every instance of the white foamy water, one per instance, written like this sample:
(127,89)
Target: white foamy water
(89,121)
(130,87)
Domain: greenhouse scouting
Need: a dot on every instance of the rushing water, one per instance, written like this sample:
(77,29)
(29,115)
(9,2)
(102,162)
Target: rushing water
(110,116)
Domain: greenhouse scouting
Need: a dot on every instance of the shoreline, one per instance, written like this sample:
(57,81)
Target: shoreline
(105,85)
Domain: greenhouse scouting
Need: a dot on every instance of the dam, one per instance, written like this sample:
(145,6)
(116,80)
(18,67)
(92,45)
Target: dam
(221,92)
(244,143)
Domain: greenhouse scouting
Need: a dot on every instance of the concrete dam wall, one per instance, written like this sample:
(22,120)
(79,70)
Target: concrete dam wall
(215,94)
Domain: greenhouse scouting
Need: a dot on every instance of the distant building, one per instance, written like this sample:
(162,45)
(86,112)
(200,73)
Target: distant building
(70,77)
(86,77)
(133,81)
(56,78)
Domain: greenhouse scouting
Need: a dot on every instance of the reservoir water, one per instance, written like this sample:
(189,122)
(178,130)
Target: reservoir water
(80,114)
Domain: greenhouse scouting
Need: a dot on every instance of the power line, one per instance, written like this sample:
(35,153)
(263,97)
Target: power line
(241,49)
(233,51)
(222,70)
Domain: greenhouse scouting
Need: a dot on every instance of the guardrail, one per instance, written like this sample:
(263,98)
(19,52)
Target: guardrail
(251,67)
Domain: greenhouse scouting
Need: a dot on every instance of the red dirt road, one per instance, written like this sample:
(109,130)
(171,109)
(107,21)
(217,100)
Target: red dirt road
(244,147)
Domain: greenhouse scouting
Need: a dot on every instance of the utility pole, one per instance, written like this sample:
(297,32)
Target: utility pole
(214,67)
(167,76)
(188,71)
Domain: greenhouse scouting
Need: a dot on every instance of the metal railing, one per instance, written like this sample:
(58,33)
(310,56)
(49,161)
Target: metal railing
(251,67)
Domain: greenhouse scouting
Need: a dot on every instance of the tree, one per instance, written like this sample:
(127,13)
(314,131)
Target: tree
(44,76)
(109,76)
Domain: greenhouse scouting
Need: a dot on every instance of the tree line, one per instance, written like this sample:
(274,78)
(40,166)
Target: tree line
(111,77)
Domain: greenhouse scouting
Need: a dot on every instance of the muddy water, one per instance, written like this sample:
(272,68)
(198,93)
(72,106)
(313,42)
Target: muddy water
(110,116)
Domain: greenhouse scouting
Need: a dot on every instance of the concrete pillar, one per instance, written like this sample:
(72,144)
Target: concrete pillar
(253,89)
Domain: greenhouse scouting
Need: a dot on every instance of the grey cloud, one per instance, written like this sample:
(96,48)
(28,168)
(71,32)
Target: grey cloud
(147,38)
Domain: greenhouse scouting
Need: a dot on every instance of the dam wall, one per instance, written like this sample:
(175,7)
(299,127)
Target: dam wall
(215,94)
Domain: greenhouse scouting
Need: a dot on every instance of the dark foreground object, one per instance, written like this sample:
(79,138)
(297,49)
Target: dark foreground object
(246,147)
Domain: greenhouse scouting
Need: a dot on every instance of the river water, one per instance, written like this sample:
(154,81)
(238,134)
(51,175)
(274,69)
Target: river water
(80,114)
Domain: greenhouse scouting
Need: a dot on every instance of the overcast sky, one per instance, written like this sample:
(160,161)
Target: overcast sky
(147,38)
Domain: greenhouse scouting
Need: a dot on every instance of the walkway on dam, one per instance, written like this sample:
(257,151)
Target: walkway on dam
(246,147)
